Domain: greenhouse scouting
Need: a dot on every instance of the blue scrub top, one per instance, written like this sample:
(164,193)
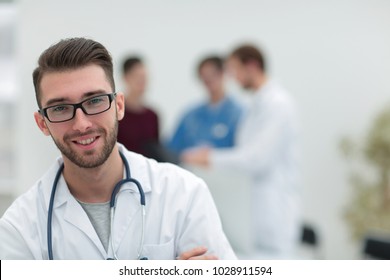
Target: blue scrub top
(212,125)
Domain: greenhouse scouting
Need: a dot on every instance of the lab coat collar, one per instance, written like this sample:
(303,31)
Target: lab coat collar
(138,169)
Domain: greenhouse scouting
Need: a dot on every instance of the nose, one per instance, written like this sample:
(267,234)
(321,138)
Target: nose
(81,121)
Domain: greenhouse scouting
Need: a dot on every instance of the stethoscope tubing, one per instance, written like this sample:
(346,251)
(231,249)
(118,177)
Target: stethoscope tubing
(50,212)
(112,208)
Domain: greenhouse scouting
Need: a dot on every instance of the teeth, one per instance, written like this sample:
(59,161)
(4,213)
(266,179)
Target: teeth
(86,141)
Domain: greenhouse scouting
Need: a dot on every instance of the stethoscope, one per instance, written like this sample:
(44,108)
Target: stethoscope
(112,210)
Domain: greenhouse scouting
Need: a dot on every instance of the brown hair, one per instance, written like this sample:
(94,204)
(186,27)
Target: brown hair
(247,53)
(70,54)
(215,60)
(130,63)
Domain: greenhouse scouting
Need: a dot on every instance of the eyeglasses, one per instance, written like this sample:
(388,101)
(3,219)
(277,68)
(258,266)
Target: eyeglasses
(91,106)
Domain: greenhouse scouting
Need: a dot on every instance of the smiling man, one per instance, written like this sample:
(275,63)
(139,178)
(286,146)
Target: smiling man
(99,200)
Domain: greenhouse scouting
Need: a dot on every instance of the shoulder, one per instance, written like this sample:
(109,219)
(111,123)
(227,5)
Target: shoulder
(232,103)
(172,178)
(21,226)
(192,113)
(35,199)
(163,178)
(277,97)
(150,110)
(196,109)
(23,210)
(148,113)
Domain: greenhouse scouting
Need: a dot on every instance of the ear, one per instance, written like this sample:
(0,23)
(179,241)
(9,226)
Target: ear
(120,105)
(40,120)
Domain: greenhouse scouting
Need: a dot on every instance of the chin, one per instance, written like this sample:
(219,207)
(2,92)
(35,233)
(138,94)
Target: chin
(247,86)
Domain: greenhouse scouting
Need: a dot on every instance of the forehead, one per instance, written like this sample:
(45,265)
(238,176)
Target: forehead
(234,62)
(136,69)
(208,68)
(73,84)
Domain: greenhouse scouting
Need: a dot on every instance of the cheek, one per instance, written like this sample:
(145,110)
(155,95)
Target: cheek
(242,76)
(239,77)
(56,132)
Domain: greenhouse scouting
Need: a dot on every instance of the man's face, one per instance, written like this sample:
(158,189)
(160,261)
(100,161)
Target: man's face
(86,140)
(136,79)
(211,77)
(240,72)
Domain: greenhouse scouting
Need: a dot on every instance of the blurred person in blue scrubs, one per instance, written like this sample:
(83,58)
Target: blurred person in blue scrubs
(267,151)
(214,122)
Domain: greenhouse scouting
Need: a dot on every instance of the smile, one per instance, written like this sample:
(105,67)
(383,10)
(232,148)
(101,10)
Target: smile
(86,141)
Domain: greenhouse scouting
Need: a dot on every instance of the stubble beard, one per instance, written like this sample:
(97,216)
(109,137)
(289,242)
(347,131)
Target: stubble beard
(247,84)
(92,158)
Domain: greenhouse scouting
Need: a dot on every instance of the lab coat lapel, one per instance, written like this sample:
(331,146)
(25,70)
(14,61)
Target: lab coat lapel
(127,218)
(128,204)
(75,215)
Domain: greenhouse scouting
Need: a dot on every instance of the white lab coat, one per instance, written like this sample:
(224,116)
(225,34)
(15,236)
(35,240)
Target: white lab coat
(180,215)
(266,149)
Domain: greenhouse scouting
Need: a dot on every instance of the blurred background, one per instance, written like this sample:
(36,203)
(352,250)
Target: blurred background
(333,56)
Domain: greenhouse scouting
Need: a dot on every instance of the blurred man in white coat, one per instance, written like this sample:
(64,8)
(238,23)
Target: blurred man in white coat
(267,151)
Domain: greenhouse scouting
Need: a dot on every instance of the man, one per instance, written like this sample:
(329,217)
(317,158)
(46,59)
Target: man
(138,129)
(212,123)
(66,214)
(267,151)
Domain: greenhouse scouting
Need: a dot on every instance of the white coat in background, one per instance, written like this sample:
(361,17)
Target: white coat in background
(266,149)
(180,215)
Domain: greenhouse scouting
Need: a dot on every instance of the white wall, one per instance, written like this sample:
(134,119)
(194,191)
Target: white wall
(332,55)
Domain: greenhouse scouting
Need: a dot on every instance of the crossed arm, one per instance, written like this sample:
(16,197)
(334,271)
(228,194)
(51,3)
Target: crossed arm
(197,253)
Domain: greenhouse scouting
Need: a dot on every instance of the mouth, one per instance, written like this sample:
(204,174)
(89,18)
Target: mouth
(86,143)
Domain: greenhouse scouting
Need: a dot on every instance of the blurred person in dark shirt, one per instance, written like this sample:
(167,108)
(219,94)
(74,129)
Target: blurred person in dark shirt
(139,129)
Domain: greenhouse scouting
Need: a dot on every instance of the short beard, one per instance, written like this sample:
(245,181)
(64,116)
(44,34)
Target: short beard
(247,85)
(99,159)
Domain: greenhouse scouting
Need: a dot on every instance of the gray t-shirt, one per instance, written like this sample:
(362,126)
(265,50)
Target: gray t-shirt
(99,215)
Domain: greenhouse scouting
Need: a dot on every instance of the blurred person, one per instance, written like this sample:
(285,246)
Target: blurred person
(139,128)
(213,122)
(99,200)
(266,150)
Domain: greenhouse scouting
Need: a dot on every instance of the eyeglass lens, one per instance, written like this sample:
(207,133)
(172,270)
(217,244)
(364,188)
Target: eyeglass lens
(91,106)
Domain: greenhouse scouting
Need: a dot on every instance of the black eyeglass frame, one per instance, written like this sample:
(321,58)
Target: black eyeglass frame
(111,97)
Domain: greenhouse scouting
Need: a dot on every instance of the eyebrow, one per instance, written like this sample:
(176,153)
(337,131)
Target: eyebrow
(65,100)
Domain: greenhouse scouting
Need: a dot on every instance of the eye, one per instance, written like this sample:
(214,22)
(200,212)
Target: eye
(95,101)
(59,109)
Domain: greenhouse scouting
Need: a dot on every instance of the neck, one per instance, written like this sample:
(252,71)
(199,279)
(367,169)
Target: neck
(133,101)
(217,96)
(94,185)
